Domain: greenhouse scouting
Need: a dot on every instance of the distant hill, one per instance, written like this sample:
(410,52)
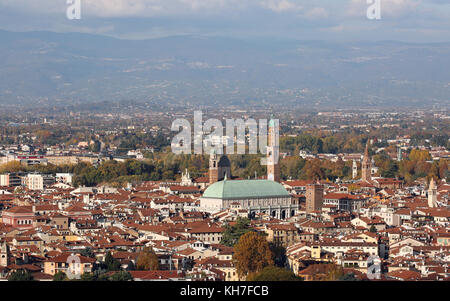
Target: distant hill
(44,67)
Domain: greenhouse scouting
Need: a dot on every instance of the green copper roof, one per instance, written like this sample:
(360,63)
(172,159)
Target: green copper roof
(271,122)
(242,189)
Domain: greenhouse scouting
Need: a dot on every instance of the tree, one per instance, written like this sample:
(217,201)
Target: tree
(147,260)
(87,252)
(279,254)
(419,155)
(272,273)
(131,266)
(252,253)
(373,229)
(232,233)
(111,263)
(121,276)
(88,277)
(60,276)
(335,272)
(348,277)
(95,276)
(95,146)
(20,275)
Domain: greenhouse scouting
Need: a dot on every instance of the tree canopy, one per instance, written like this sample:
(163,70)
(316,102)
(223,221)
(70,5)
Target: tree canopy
(111,264)
(252,253)
(232,233)
(20,275)
(272,273)
(147,260)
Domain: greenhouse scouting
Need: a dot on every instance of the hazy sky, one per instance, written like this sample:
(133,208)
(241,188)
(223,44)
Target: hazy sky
(407,20)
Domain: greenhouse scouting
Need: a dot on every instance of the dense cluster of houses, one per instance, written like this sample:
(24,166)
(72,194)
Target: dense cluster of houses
(40,230)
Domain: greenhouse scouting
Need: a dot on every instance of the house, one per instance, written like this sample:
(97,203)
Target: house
(282,234)
(21,217)
(206,232)
(68,262)
(367,223)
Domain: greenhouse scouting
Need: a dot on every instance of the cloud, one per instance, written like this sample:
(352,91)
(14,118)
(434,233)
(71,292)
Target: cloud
(281,5)
(126,8)
(389,8)
(294,18)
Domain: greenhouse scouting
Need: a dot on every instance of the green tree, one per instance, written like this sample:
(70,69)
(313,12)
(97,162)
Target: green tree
(111,263)
(272,273)
(121,276)
(60,276)
(88,277)
(348,277)
(87,252)
(131,266)
(232,233)
(20,275)
(279,254)
(373,229)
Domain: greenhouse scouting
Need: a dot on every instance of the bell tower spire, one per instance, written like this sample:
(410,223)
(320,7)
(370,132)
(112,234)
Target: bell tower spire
(366,172)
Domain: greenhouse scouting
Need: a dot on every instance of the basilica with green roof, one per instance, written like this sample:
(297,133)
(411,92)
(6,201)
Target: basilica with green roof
(256,196)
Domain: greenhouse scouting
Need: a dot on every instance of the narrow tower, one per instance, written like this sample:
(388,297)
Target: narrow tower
(219,167)
(355,169)
(273,152)
(366,172)
(4,255)
(314,197)
(432,194)
(213,168)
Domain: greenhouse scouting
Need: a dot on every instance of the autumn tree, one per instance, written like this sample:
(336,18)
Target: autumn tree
(13,166)
(419,155)
(252,254)
(147,260)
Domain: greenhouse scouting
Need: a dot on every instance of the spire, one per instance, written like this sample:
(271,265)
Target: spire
(366,152)
(432,194)
(432,184)
(271,121)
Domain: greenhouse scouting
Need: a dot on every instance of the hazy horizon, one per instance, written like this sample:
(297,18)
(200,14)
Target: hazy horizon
(344,20)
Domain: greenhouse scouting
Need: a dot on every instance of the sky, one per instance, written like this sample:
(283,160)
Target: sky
(403,20)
